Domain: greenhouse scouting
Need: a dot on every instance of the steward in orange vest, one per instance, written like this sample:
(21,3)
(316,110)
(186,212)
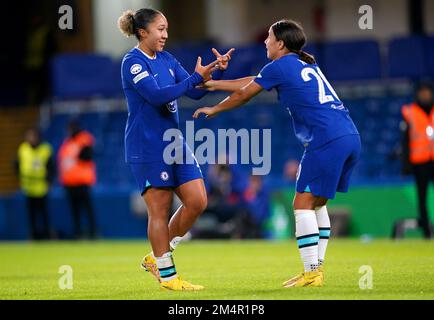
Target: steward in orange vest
(77,173)
(421,132)
(418,148)
(75,164)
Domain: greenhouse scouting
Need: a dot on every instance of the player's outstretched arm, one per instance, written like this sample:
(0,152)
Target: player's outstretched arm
(236,99)
(148,87)
(227,85)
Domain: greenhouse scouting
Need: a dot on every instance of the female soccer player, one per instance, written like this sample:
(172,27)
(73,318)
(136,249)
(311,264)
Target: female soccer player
(321,123)
(152,80)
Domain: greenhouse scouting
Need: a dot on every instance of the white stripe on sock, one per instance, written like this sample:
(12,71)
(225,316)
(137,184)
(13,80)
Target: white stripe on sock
(166,261)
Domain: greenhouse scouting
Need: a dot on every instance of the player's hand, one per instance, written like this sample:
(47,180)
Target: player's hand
(205,71)
(223,60)
(209,85)
(209,112)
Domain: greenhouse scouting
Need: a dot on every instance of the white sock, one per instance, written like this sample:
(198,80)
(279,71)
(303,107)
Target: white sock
(322,217)
(174,243)
(307,234)
(166,267)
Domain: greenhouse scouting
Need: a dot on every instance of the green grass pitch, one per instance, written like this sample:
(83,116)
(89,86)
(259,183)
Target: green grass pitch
(228,269)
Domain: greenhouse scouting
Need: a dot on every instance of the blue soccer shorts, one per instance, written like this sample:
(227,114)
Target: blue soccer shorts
(327,169)
(159,174)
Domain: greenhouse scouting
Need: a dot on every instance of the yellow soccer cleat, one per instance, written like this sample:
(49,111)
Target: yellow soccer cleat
(288,283)
(321,271)
(292,280)
(150,265)
(307,279)
(178,284)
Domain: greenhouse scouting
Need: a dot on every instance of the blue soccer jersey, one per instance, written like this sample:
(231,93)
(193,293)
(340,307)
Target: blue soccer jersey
(152,86)
(318,114)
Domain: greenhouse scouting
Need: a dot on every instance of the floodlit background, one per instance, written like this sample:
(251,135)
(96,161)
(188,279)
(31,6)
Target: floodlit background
(50,76)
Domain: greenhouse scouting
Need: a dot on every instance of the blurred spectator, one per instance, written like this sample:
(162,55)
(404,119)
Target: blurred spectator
(78,174)
(256,198)
(220,185)
(40,46)
(226,204)
(35,168)
(222,199)
(418,147)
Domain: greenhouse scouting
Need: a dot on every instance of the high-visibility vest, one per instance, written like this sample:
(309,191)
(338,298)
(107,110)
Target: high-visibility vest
(72,170)
(421,133)
(32,164)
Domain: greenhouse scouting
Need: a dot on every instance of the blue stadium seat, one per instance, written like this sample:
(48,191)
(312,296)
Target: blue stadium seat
(430,55)
(246,61)
(352,60)
(243,62)
(82,76)
(117,81)
(187,54)
(407,57)
(259,53)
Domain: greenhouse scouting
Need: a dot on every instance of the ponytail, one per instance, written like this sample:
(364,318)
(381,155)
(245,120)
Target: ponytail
(306,57)
(126,23)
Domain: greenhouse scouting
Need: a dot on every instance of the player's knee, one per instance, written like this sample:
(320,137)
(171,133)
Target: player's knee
(198,204)
(303,201)
(159,210)
(320,202)
(202,203)
(156,218)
